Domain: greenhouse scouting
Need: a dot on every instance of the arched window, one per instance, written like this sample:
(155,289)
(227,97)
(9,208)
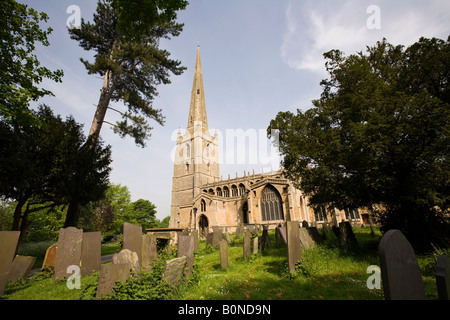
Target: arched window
(219,191)
(202,206)
(234,191)
(211,191)
(241,189)
(271,204)
(226,191)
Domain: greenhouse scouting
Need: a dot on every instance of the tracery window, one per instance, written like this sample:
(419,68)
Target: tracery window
(271,204)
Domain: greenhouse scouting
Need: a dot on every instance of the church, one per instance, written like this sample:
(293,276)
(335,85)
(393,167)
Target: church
(201,199)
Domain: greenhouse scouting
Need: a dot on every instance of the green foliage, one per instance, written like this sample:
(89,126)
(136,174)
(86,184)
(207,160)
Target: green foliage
(378,135)
(20,70)
(125,37)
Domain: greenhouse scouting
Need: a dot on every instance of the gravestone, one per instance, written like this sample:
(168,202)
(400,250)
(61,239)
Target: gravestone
(246,244)
(346,236)
(20,267)
(239,230)
(132,239)
(50,257)
(224,254)
(109,274)
(195,234)
(173,270)
(280,235)
(149,251)
(315,235)
(228,238)
(399,268)
(326,230)
(8,245)
(91,252)
(255,245)
(217,236)
(126,256)
(443,277)
(186,248)
(305,238)
(209,239)
(265,239)
(69,250)
(293,244)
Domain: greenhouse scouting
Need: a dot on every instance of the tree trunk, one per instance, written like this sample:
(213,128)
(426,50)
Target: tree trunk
(18,215)
(72,215)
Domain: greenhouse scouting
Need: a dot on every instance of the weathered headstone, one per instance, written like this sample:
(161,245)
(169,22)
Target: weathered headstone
(186,248)
(326,230)
(346,236)
(91,252)
(126,256)
(293,244)
(149,251)
(315,235)
(50,256)
(195,234)
(69,250)
(8,245)
(132,239)
(280,235)
(265,239)
(20,267)
(217,236)
(399,268)
(109,274)
(173,270)
(239,230)
(305,238)
(255,245)
(228,238)
(246,244)
(209,239)
(224,254)
(443,277)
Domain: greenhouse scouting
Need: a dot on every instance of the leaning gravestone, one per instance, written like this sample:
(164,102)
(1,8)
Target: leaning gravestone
(224,254)
(20,267)
(293,244)
(173,270)
(246,245)
(109,274)
(69,250)
(91,252)
(126,256)
(305,238)
(399,268)
(132,239)
(265,238)
(50,257)
(443,277)
(346,236)
(280,235)
(186,248)
(8,245)
(149,251)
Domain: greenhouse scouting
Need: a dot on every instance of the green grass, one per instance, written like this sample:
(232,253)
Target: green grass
(325,272)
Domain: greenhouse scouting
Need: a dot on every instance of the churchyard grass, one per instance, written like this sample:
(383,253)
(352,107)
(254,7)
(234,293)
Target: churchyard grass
(325,272)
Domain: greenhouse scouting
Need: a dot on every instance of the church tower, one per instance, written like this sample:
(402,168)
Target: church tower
(196,160)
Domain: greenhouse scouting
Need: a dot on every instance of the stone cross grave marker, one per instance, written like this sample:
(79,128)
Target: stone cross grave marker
(109,274)
(443,277)
(20,267)
(246,244)
(8,245)
(173,270)
(399,268)
(186,248)
(91,252)
(149,251)
(69,250)
(224,254)
(132,239)
(293,244)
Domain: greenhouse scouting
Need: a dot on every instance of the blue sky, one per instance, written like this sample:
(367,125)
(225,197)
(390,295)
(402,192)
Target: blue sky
(259,57)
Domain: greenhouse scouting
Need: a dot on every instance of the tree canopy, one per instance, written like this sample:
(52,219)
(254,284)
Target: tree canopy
(378,135)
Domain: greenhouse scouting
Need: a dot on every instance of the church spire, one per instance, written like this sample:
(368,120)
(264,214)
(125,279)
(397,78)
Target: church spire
(197,111)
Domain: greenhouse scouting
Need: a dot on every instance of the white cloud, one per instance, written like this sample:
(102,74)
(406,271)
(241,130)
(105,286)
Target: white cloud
(317,27)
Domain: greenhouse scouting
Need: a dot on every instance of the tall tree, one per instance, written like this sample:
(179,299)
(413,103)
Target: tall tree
(125,36)
(379,134)
(20,70)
